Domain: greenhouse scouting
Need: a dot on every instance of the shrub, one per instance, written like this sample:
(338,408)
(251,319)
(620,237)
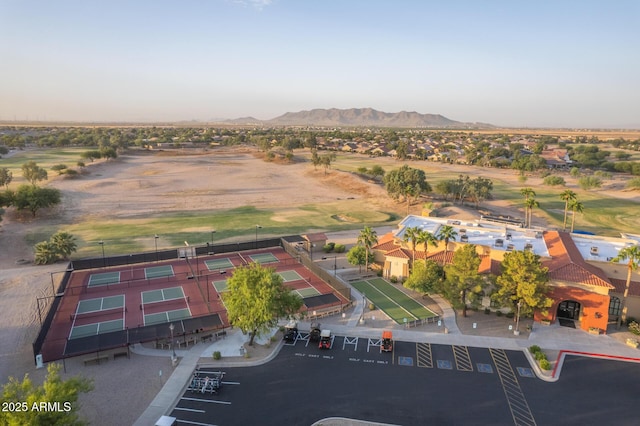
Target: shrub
(634,327)
(327,248)
(545,364)
(634,183)
(539,356)
(589,182)
(554,180)
(246,355)
(393,279)
(575,172)
(372,307)
(534,349)
(499,313)
(339,248)
(510,315)
(487,311)
(217,355)
(379,273)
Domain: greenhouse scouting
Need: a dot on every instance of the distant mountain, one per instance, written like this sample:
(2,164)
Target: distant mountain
(364,117)
(244,120)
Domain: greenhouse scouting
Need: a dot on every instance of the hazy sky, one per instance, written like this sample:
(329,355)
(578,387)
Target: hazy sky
(512,63)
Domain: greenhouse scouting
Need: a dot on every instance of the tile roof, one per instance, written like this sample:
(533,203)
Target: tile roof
(399,253)
(567,264)
(634,287)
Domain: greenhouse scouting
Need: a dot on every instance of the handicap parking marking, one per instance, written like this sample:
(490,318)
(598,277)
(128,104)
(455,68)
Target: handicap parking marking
(406,361)
(376,343)
(444,364)
(525,372)
(350,341)
(484,368)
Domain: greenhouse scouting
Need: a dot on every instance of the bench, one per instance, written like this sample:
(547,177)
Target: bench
(96,360)
(121,354)
(206,338)
(221,334)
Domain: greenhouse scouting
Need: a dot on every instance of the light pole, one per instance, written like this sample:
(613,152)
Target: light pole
(334,264)
(517,330)
(212,232)
(173,349)
(155,240)
(104,263)
(257,227)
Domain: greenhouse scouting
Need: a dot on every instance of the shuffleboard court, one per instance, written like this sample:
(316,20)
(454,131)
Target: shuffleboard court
(290,276)
(216,264)
(104,278)
(220,286)
(402,298)
(96,328)
(263,258)
(158,271)
(390,307)
(162,295)
(169,316)
(100,304)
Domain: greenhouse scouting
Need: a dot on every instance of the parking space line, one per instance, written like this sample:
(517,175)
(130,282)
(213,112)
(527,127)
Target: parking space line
(194,423)
(206,400)
(190,409)
(230,383)
(423,355)
(350,341)
(375,343)
(462,357)
(520,410)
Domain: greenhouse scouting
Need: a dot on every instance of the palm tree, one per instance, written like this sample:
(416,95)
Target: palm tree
(446,233)
(411,234)
(633,254)
(575,206)
(64,243)
(529,203)
(426,238)
(368,238)
(527,193)
(567,196)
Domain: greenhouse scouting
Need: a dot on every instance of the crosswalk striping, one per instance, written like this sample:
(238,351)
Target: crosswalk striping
(424,356)
(462,357)
(520,410)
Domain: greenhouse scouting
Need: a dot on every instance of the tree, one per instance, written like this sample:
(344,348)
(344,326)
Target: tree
(5,177)
(33,198)
(326,160)
(64,244)
(315,158)
(60,168)
(33,173)
(632,254)
(530,204)
(576,207)
(426,238)
(411,234)
(108,153)
(407,183)
(90,155)
(367,238)
(63,393)
(567,196)
(256,298)
(425,277)
(377,172)
(45,253)
(523,279)
(446,233)
(480,189)
(358,256)
(462,277)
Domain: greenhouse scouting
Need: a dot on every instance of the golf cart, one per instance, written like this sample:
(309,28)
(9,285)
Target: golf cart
(314,332)
(291,331)
(325,339)
(387,341)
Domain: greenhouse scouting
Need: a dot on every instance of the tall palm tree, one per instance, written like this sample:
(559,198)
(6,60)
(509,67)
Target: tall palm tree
(446,233)
(633,254)
(411,234)
(530,204)
(368,238)
(567,196)
(426,238)
(527,193)
(576,207)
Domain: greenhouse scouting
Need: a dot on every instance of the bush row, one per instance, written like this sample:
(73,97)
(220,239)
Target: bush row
(540,356)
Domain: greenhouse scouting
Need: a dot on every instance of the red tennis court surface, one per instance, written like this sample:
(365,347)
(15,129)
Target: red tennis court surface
(165,292)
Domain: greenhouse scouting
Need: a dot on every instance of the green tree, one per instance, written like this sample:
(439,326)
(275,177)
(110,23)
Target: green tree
(108,152)
(256,298)
(553,180)
(426,238)
(446,233)
(326,160)
(407,183)
(367,238)
(64,243)
(358,256)
(315,158)
(33,198)
(45,253)
(632,255)
(5,177)
(425,277)
(377,172)
(576,207)
(90,155)
(523,279)
(480,189)
(54,390)
(589,182)
(411,235)
(567,196)
(33,173)
(463,280)
(60,168)
(530,204)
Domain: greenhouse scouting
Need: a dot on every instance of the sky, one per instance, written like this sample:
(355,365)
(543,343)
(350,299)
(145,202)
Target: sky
(557,63)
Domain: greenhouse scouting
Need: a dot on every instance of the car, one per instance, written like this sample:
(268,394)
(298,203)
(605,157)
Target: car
(325,339)
(291,331)
(386,344)
(314,332)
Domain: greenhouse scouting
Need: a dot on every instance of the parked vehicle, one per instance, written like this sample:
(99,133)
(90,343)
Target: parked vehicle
(325,339)
(387,341)
(291,331)
(314,332)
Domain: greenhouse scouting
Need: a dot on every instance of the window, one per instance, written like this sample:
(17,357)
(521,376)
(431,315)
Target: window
(614,306)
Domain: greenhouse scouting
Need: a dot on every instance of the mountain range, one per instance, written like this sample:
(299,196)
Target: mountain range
(357,117)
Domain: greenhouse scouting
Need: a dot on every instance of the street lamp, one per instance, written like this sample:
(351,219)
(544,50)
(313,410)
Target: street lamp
(257,227)
(334,264)
(212,232)
(517,330)
(104,264)
(155,240)
(173,349)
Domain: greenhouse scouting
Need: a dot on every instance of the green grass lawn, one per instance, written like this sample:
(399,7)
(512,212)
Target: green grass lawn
(44,158)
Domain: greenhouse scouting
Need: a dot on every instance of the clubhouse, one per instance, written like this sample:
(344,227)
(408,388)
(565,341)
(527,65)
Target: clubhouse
(585,285)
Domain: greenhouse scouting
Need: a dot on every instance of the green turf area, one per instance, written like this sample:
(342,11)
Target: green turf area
(158,271)
(216,264)
(104,278)
(401,298)
(290,276)
(392,309)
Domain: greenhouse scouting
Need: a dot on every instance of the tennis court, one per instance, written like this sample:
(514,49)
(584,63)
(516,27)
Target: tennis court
(288,276)
(100,304)
(104,278)
(96,328)
(306,292)
(220,286)
(216,264)
(263,258)
(168,316)
(161,295)
(395,303)
(158,271)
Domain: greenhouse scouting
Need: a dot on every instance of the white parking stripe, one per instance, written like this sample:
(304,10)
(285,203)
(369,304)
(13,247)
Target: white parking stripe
(190,409)
(206,400)
(194,423)
(230,383)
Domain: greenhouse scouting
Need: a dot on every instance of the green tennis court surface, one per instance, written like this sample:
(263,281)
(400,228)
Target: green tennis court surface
(169,316)
(215,264)
(162,295)
(100,304)
(220,286)
(290,276)
(104,278)
(307,292)
(96,328)
(396,304)
(158,271)
(263,258)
